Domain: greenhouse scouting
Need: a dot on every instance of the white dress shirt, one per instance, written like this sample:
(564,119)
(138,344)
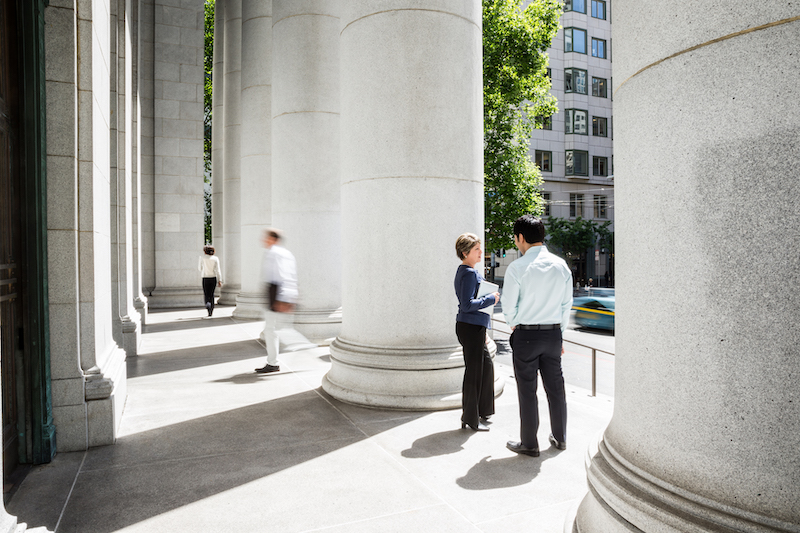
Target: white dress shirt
(537,289)
(279,266)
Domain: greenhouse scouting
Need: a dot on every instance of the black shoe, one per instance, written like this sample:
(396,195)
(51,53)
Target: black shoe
(517,447)
(208,308)
(479,427)
(485,419)
(267,369)
(557,444)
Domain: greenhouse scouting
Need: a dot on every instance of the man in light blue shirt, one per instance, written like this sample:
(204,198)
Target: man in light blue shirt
(537,298)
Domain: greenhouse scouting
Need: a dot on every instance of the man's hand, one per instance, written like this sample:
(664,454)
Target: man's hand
(283,307)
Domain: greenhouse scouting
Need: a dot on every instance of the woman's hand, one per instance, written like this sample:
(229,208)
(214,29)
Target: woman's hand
(219,283)
(496,297)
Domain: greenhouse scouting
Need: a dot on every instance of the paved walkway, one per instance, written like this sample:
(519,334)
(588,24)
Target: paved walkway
(207,445)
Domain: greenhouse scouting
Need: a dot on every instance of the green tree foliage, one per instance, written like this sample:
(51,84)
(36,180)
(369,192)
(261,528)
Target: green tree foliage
(515,90)
(208,64)
(574,237)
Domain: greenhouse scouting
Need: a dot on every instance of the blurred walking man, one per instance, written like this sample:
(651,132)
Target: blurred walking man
(279,274)
(537,298)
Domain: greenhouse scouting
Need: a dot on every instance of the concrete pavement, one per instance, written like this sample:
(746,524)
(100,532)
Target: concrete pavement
(205,444)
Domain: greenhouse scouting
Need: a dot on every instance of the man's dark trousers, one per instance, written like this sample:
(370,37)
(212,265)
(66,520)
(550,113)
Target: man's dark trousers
(539,351)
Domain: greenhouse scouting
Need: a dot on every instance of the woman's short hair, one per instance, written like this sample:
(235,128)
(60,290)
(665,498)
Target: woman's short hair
(208,250)
(465,243)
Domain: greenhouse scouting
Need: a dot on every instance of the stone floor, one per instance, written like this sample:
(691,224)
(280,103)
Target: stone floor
(207,445)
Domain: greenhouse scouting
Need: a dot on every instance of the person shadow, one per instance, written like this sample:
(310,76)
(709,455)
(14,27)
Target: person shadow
(501,473)
(443,443)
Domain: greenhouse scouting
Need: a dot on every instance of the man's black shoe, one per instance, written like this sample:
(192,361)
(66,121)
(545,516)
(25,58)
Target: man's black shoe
(517,447)
(557,444)
(267,369)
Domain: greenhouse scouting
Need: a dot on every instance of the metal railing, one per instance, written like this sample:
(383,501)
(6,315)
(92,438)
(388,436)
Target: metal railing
(592,348)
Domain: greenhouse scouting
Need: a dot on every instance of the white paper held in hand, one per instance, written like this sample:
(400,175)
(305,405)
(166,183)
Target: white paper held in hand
(487,287)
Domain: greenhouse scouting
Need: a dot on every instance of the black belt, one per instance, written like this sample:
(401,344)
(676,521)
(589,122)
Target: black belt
(539,326)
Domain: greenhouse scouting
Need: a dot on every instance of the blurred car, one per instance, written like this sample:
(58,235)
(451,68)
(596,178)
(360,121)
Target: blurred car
(594,311)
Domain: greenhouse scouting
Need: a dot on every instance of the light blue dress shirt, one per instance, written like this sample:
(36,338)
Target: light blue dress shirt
(537,289)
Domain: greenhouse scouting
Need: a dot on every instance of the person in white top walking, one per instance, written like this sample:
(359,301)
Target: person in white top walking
(279,274)
(212,276)
(537,298)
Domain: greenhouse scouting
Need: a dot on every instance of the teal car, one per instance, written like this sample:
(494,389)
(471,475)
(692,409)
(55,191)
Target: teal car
(594,312)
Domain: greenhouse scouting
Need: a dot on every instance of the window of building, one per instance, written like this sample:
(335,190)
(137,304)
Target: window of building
(600,207)
(599,166)
(598,48)
(544,160)
(575,205)
(545,123)
(550,74)
(600,127)
(576,121)
(577,163)
(575,40)
(546,199)
(599,9)
(599,87)
(575,5)
(575,81)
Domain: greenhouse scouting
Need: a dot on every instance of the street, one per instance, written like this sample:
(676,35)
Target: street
(577,360)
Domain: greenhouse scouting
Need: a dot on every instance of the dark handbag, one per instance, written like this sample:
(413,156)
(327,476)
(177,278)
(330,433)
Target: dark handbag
(272,295)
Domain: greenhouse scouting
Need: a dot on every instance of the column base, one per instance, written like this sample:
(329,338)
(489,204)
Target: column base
(140,304)
(414,379)
(623,498)
(130,335)
(175,297)
(250,306)
(228,294)
(319,326)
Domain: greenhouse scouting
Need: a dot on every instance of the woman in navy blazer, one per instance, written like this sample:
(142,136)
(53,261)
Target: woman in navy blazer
(478,389)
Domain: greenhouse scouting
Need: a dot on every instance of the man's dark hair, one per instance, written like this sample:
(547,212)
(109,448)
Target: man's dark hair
(531,228)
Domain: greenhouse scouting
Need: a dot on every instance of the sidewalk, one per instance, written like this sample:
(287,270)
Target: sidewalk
(207,445)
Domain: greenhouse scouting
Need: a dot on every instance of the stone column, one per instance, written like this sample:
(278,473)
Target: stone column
(218,129)
(412,182)
(306,183)
(232,142)
(705,430)
(256,162)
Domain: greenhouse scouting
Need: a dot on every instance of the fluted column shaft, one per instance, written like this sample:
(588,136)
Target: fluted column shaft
(705,430)
(412,181)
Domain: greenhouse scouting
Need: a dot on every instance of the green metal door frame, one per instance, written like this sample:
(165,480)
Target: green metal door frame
(39,407)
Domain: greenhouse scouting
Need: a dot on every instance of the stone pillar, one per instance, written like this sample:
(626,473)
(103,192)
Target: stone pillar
(137,27)
(218,129)
(306,183)
(178,154)
(232,95)
(412,182)
(256,162)
(705,430)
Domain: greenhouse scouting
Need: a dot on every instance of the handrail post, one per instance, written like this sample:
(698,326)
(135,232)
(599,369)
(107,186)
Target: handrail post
(594,372)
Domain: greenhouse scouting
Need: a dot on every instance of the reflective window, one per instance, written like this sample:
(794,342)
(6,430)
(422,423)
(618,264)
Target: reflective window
(575,205)
(575,121)
(599,127)
(575,5)
(600,207)
(599,9)
(544,160)
(599,166)
(599,87)
(575,40)
(575,81)
(598,48)
(546,198)
(577,163)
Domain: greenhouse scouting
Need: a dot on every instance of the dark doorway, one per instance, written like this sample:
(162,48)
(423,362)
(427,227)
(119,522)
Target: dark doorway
(10,222)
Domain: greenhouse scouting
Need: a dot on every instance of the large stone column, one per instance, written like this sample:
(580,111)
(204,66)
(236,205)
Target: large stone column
(412,181)
(305,181)
(256,159)
(705,430)
(232,146)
